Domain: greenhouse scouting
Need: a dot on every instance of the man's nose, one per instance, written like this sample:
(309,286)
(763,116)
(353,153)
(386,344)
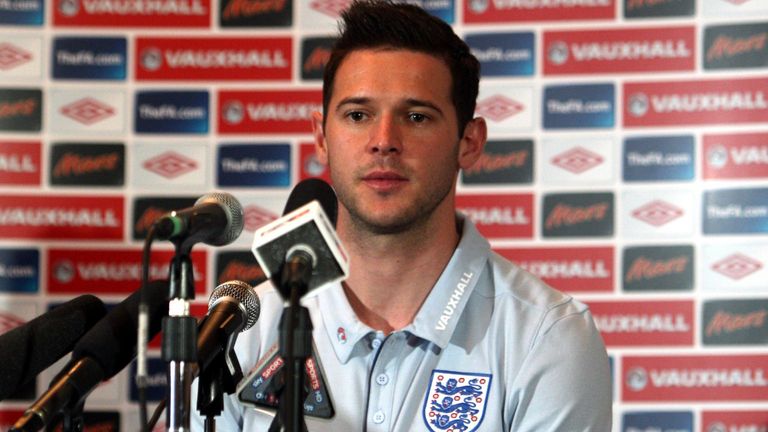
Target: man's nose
(386,137)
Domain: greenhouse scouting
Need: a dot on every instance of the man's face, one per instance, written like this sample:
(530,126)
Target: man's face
(390,139)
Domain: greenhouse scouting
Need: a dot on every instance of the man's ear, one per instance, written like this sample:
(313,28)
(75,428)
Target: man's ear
(321,149)
(472,143)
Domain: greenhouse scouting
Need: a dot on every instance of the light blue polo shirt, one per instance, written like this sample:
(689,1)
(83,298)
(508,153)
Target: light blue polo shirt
(491,349)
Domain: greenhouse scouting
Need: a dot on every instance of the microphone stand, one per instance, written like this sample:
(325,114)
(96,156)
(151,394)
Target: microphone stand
(179,348)
(220,376)
(295,342)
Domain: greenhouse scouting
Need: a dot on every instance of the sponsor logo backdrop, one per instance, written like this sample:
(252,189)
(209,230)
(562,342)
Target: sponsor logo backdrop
(627,166)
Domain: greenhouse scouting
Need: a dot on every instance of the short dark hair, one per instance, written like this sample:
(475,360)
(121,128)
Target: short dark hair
(369,24)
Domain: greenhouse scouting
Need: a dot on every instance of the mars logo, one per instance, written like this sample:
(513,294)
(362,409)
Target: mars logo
(735,46)
(657,213)
(12,56)
(735,322)
(498,108)
(658,268)
(331,8)
(87,111)
(737,266)
(578,215)
(577,160)
(170,164)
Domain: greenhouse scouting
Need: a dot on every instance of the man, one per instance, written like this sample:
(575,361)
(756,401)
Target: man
(432,330)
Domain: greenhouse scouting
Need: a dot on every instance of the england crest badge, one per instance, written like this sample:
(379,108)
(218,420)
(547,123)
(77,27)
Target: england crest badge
(456,401)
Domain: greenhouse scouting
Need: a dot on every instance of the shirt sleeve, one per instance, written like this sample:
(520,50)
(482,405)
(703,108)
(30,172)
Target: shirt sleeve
(565,381)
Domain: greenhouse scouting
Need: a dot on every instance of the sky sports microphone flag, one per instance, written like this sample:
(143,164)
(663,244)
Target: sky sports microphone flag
(307,227)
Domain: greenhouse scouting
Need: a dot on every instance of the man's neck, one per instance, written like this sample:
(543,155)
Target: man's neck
(391,275)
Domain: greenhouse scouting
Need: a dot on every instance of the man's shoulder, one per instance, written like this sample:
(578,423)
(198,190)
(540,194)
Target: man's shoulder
(512,286)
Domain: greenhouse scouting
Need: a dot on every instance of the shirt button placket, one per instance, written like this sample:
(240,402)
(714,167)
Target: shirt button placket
(382,385)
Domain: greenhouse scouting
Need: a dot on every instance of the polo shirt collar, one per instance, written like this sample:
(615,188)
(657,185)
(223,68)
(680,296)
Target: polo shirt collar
(437,318)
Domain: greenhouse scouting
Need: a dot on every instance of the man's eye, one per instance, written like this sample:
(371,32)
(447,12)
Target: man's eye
(417,117)
(356,116)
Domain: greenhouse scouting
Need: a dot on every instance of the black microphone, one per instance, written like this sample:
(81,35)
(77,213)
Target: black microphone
(304,233)
(103,352)
(233,308)
(29,349)
(216,219)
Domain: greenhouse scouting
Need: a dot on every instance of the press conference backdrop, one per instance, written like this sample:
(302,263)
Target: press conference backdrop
(627,165)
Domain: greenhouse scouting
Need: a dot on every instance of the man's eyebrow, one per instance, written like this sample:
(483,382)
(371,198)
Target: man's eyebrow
(410,102)
(353,100)
(413,102)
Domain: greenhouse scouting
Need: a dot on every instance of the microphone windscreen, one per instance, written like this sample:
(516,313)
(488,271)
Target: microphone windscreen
(112,341)
(313,189)
(29,349)
(234,213)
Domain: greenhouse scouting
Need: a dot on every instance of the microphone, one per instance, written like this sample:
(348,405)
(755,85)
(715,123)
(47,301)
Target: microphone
(103,352)
(216,219)
(233,308)
(305,233)
(29,349)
